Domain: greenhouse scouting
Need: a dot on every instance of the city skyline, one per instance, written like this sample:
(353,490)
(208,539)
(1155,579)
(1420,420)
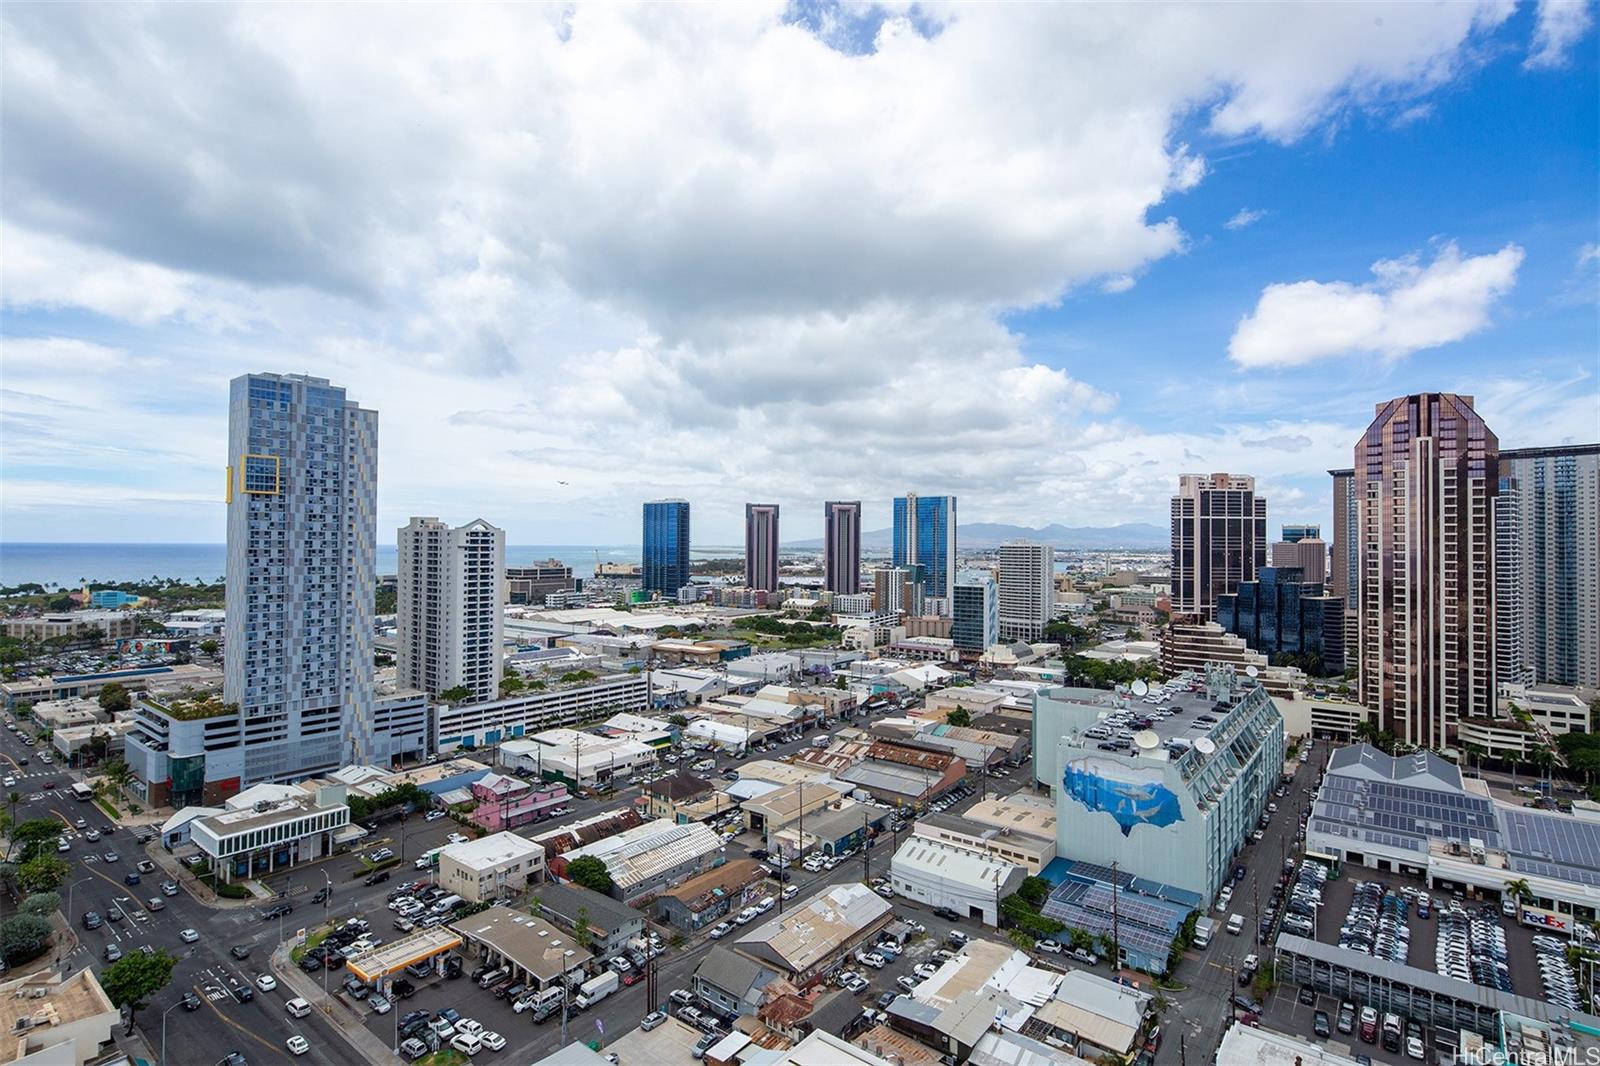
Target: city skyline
(961,312)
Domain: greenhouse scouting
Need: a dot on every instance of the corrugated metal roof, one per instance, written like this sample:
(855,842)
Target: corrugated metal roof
(817,928)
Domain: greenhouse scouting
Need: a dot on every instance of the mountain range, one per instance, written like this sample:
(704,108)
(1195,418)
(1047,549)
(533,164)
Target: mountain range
(1140,535)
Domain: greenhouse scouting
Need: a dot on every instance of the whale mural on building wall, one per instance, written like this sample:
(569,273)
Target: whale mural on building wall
(1130,795)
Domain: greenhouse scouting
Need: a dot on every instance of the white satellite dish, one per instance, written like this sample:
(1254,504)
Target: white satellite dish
(1146,740)
(1205,746)
(1140,688)
(1251,671)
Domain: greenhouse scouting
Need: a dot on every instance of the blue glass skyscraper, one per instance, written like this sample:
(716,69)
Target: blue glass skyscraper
(925,534)
(666,546)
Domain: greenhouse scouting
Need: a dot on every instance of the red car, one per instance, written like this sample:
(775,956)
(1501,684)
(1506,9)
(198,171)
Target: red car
(48,784)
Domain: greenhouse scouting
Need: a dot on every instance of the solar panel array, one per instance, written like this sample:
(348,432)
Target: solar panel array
(1396,815)
(1144,925)
(1556,846)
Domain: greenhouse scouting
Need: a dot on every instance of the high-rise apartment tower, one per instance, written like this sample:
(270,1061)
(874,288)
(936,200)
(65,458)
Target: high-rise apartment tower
(1426,477)
(1027,589)
(301,575)
(925,534)
(841,551)
(761,546)
(448,623)
(666,546)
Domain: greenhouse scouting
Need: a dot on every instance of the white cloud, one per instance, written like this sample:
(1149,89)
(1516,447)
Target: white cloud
(1559,25)
(1410,307)
(1245,216)
(645,249)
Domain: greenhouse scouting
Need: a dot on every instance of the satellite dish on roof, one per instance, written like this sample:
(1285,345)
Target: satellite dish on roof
(1146,740)
(1140,688)
(1251,671)
(1205,746)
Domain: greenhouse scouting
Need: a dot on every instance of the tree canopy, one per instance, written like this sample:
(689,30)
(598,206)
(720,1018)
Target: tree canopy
(590,872)
(114,697)
(23,937)
(959,717)
(133,979)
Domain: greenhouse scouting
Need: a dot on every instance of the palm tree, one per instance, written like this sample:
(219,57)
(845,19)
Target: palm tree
(1518,888)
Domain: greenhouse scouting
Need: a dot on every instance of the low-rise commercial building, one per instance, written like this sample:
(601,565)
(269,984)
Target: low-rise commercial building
(49,1020)
(72,625)
(269,835)
(813,937)
(536,952)
(942,874)
(575,835)
(37,690)
(786,805)
(731,982)
(651,857)
(583,760)
(708,898)
(509,802)
(1032,853)
(672,797)
(491,867)
(611,924)
(904,776)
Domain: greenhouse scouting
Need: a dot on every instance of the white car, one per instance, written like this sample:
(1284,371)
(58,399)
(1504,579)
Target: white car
(9,781)
(722,930)
(266,982)
(494,1041)
(297,1045)
(433,816)
(469,1027)
(458,838)
(467,1044)
(188,936)
(379,1004)
(872,958)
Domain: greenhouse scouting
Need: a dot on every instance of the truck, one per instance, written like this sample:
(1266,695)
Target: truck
(595,989)
(1203,928)
(1235,924)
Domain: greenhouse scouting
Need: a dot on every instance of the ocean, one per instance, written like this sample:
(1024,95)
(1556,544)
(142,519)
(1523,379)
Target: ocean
(69,564)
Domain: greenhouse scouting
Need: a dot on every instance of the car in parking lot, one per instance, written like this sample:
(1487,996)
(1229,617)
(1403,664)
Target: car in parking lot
(1245,1003)
(651,1020)
(1319,1024)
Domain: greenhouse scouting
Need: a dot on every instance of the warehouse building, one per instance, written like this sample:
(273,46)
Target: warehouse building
(810,940)
(708,898)
(652,857)
(942,874)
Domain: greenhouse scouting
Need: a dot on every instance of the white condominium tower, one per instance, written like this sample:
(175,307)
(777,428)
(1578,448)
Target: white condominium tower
(302,531)
(448,621)
(1027,589)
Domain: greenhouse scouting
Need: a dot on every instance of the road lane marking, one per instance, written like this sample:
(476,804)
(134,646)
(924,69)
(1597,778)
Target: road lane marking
(212,1004)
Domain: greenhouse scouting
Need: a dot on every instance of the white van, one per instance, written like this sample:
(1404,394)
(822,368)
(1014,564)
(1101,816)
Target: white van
(297,1008)
(445,904)
(1236,924)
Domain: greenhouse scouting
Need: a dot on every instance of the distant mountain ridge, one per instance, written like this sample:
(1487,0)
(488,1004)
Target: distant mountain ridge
(1140,535)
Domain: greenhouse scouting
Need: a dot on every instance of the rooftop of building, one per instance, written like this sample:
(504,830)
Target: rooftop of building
(605,915)
(890,779)
(530,942)
(32,1006)
(266,813)
(396,955)
(1020,812)
(190,708)
(680,787)
(636,855)
(702,890)
(815,929)
(955,863)
(491,851)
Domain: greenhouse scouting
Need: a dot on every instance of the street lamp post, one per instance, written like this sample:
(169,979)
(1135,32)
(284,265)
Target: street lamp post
(70,887)
(164,1030)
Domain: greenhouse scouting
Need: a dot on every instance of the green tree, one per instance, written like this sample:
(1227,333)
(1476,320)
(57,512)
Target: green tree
(959,717)
(36,836)
(678,720)
(210,647)
(1518,888)
(580,929)
(133,979)
(114,697)
(117,772)
(42,873)
(457,694)
(590,872)
(42,904)
(23,937)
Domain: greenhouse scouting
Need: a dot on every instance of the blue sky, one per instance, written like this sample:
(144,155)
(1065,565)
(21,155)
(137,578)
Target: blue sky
(1047,259)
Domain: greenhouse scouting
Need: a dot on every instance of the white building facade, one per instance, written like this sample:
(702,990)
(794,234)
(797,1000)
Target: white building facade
(452,582)
(1027,589)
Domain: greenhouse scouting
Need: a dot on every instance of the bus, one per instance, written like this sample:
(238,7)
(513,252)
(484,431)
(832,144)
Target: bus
(82,792)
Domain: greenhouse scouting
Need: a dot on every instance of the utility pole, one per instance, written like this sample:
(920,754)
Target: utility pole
(1116,923)
(866,849)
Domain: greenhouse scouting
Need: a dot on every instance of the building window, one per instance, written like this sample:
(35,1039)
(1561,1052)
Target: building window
(261,475)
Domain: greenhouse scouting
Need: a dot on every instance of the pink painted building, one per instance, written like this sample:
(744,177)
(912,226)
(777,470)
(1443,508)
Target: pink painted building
(507,802)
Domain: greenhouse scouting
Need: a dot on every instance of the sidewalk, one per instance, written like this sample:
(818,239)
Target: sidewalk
(339,1016)
(202,892)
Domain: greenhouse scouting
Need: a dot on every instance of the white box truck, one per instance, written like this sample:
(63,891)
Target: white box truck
(595,989)
(1203,928)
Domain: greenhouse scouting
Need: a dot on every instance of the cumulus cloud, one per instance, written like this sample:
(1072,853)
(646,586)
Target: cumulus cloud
(696,249)
(1407,308)
(1558,26)
(1245,216)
